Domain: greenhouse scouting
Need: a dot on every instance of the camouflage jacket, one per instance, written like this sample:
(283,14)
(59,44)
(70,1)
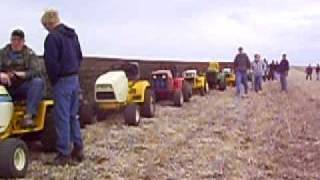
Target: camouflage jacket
(26,61)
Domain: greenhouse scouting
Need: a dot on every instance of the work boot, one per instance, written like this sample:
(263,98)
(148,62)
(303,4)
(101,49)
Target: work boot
(27,121)
(61,160)
(77,154)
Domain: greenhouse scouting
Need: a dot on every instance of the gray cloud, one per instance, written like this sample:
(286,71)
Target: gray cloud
(191,29)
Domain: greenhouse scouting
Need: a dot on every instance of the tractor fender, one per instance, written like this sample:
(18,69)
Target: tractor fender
(137,91)
(201,80)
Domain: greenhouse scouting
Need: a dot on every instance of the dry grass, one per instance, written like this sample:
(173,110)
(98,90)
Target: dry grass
(268,136)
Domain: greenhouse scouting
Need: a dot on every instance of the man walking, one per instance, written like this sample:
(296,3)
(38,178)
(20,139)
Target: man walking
(241,66)
(272,70)
(265,69)
(257,67)
(309,71)
(62,54)
(283,70)
(318,72)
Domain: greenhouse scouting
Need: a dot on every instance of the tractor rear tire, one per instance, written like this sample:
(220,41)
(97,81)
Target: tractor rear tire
(48,136)
(178,99)
(14,157)
(187,91)
(132,115)
(148,108)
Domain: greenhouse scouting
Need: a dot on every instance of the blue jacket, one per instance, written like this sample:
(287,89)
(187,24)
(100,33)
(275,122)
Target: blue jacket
(284,66)
(62,53)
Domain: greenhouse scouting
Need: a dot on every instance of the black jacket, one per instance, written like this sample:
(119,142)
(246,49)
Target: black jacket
(62,53)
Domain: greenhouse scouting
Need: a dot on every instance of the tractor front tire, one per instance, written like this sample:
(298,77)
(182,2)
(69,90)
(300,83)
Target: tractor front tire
(178,99)
(48,136)
(222,85)
(14,157)
(132,115)
(187,91)
(148,108)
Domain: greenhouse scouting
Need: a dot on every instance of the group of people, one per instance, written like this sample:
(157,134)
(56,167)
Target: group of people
(309,72)
(258,71)
(22,74)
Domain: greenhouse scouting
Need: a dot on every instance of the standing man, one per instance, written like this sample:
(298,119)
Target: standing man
(272,69)
(62,54)
(309,71)
(283,70)
(318,72)
(265,69)
(20,72)
(257,67)
(241,66)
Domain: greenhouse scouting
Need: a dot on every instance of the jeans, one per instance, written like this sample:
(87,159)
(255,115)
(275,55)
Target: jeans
(257,83)
(309,76)
(283,81)
(241,79)
(66,107)
(31,90)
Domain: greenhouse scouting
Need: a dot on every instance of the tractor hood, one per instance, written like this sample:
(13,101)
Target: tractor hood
(111,87)
(6,109)
(192,73)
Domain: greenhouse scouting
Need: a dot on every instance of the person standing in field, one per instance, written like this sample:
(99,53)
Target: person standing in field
(258,71)
(318,72)
(63,56)
(241,66)
(309,71)
(283,70)
(272,68)
(276,71)
(265,69)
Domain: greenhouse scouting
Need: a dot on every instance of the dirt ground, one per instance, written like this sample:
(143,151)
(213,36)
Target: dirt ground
(272,135)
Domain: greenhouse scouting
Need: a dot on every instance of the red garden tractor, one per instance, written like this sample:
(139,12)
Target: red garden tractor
(168,87)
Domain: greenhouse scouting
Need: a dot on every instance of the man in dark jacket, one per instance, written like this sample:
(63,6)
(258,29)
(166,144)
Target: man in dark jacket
(318,72)
(283,70)
(20,72)
(309,71)
(62,54)
(241,66)
(272,70)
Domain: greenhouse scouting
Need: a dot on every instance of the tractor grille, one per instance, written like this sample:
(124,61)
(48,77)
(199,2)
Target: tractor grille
(105,96)
(159,83)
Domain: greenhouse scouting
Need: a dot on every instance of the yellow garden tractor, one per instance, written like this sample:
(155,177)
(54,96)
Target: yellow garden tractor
(122,88)
(230,76)
(216,78)
(14,154)
(198,81)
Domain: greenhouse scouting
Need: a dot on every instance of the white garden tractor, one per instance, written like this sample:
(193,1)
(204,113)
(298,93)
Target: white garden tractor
(122,88)
(14,154)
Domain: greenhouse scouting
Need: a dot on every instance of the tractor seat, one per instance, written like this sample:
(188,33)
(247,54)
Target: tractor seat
(132,71)
(19,100)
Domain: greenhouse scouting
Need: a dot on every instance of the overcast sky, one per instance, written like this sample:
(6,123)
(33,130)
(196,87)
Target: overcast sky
(179,29)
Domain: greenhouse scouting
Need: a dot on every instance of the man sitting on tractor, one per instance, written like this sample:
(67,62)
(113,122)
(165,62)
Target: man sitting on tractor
(20,72)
